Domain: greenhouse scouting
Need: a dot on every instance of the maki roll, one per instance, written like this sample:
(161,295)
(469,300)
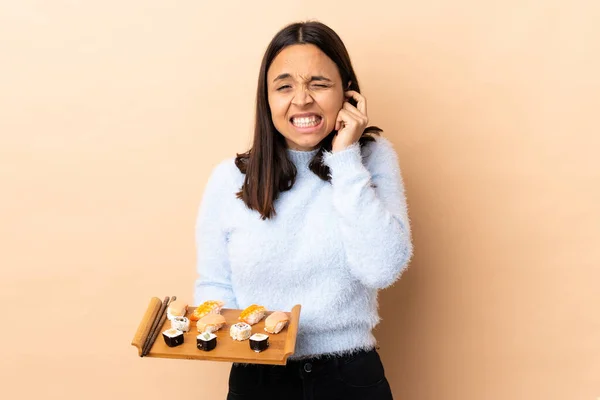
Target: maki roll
(173,337)
(259,342)
(206,341)
(240,331)
(276,322)
(208,307)
(176,309)
(210,323)
(253,314)
(180,323)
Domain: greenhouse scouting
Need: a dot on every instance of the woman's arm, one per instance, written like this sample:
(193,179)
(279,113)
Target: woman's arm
(371,205)
(214,281)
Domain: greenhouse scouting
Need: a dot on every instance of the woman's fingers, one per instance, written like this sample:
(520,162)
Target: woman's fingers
(356,114)
(361,101)
(342,119)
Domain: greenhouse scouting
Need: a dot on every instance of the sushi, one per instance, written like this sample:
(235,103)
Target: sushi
(206,341)
(208,307)
(259,342)
(210,323)
(173,337)
(176,309)
(180,323)
(240,331)
(276,322)
(253,314)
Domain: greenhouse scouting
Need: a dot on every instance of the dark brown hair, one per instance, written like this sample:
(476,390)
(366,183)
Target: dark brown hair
(266,165)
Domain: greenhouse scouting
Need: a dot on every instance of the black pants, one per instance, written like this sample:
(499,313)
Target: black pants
(355,377)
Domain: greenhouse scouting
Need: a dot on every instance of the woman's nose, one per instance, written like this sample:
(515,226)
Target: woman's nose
(302,97)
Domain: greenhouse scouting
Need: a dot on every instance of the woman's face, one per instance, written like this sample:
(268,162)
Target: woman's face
(305,95)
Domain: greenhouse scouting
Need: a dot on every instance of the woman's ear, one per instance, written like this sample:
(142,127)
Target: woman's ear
(349,84)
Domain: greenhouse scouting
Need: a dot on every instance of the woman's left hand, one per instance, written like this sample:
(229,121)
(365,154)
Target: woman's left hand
(351,122)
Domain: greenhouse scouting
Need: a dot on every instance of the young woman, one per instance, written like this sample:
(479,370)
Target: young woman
(313,214)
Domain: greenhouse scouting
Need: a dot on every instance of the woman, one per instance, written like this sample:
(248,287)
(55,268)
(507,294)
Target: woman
(313,214)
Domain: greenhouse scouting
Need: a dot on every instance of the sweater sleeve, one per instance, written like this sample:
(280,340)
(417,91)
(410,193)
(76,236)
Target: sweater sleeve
(369,198)
(214,280)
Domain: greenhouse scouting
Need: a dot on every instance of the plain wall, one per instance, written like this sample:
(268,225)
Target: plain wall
(113,113)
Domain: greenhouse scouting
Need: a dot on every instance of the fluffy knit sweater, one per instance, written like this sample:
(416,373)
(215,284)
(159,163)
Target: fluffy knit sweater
(330,247)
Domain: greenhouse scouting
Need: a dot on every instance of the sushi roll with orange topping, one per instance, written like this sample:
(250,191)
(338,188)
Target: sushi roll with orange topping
(208,307)
(253,314)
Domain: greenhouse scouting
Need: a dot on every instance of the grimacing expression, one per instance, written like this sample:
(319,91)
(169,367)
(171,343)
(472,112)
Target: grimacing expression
(305,95)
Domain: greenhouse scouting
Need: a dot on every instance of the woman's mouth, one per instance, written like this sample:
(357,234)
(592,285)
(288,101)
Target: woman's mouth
(306,122)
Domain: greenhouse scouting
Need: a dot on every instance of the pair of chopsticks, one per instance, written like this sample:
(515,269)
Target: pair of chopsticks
(159,320)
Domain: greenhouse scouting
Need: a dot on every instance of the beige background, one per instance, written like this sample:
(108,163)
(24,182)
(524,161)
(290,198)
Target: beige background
(112,114)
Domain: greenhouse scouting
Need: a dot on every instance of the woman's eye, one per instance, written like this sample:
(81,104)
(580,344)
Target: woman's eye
(283,87)
(320,86)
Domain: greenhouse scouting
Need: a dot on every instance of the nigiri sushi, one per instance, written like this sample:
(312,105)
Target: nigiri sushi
(210,323)
(276,322)
(176,309)
(252,314)
(208,307)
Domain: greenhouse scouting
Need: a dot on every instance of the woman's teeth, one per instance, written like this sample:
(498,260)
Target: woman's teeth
(306,122)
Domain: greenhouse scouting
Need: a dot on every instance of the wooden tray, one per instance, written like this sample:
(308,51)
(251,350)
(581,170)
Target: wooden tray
(281,345)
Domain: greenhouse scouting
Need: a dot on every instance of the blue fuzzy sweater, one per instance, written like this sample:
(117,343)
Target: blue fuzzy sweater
(330,247)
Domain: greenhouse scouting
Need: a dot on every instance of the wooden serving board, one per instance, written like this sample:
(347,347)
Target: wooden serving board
(281,345)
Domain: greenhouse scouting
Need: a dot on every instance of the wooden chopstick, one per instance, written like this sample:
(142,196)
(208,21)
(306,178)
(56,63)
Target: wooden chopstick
(153,326)
(157,325)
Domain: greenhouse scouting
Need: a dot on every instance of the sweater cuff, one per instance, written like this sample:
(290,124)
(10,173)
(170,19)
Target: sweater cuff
(344,161)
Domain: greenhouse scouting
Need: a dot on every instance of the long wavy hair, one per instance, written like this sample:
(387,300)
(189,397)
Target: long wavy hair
(266,165)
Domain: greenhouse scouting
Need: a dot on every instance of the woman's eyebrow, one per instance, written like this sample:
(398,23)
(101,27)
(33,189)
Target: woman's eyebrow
(282,77)
(320,78)
(312,79)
